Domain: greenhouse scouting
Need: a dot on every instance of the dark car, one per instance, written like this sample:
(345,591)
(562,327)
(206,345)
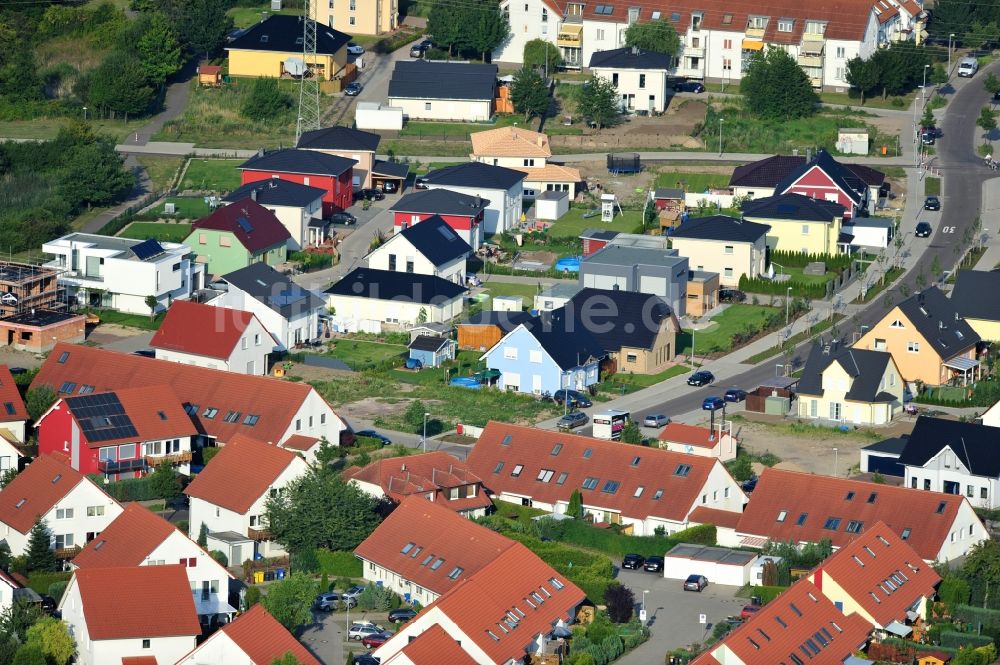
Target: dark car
(932,203)
(689,86)
(402,614)
(996,97)
(344,218)
(654,564)
(701,378)
(633,561)
(576,398)
(366,659)
(695,583)
(573,420)
(389,186)
(749,485)
(928,137)
(352,89)
(18,370)
(369,194)
(713,403)
(735,395)
(418,50)
(145,353)
(372,434)
(749,611)
(376,640)
(731,295)
(923,230)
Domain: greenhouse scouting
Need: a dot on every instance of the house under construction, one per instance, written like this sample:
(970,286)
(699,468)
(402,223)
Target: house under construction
(33,312)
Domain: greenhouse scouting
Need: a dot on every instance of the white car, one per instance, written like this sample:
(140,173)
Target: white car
(359,631)
(354,49)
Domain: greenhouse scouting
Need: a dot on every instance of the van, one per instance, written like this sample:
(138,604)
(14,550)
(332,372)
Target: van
(968,67)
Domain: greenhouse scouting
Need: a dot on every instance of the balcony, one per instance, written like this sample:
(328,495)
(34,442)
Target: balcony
(812,44)
(570,35)
(123,466)
(755,33)
(693,52)
(66,553)
(182,457)
(811,61)
(259,533)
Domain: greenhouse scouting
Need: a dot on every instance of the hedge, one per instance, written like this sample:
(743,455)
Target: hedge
(955,640)
(801,260)
(609,541)
(771,287)
(591,572)
(41,582)
(765,593)
(128,489)
(390,44)
(339,564)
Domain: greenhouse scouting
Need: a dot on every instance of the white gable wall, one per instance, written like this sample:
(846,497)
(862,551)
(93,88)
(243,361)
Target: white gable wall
(504,210)
(404,252)
(219,649)
(249,356)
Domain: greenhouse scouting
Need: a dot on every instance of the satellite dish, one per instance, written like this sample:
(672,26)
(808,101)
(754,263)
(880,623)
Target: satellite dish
(295,66)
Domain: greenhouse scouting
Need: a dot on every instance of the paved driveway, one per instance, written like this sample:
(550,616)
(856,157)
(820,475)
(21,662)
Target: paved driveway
(326,638)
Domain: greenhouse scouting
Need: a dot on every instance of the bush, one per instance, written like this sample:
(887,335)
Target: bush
(339,564)
(379,598)
(208,453)
(771,287)
(954,590)
(390,44)
(129,489)
(305,561)
(591,572)
(221,557)
(265,101)
(56,590)
(955,640)
(252,596)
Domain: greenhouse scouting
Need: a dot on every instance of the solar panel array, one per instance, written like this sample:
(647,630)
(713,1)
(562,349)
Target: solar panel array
(102,417)
(245,224)
(290,296)
(147,249)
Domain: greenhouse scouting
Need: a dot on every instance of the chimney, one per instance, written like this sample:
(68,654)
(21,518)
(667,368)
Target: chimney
(253,194)
(635,50)
(402,467)
(540,140)
(809,155)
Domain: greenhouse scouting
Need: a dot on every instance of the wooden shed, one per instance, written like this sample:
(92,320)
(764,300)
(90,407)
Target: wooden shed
(483,331)
(210,75)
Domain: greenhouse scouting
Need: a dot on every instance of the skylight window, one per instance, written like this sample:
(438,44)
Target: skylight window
(516,471)
(99,545)
(873,497)
(941,507)
(9,407)
(416,551)
(638,492)
(832,523)
(658,495)
(56,478)
(85,390)
(232,417)
(191,409)
(795,609)
(635,461)
(562,478)
(506,440)
(675,16)
(587,453)
(20,503)
(162,415)
(67,387)
(682,470)
(589,483)
(437,564)
(556,584)
(611,486)
(210,413)
(906,533)
(427,560)
(781,622)
(782,515)
(555,449)
(498,468)
(802,519)
(854,526)
(63,357)
(849,497)
(406,548)
(545,475)
(250,420)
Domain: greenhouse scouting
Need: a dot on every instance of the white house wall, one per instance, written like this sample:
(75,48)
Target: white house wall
(306,323)
(219,649)
(946,467)
(456,110)
(401,312)
(380,575)
(404,251)
(259,344)
(678,568)
(651,97)
(434,617)
(315,418)
(296,220)
(177,547)
(504,210)
(539,21)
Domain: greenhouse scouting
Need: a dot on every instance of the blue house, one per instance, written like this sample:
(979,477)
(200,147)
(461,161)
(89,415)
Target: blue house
(545,354)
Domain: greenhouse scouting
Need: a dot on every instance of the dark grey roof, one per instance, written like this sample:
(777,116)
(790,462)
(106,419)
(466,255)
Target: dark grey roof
(278,192)
(891,446)
(392,285)
(668,193)
(599,234)
(274,289)
(504,320)
(936,318)
(977,295)
(440,202)
(793,206)
(339,137)
(721,227)
(771,171)
(475,174)
(293,160)
(865,368)
(391,169)
(565,338)
(428,343)
(629,58)
(837,172)
(421,79)
(620,318)
(974,445)
(283,33)
(437,241)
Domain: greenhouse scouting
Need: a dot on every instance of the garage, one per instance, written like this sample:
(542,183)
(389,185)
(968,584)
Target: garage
(389,176)
(718,564)
(883,457)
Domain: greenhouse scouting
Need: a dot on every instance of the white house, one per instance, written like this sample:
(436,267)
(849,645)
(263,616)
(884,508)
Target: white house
(431,247)
(240,643)
(955,458)
(111,621)
(640,77)
(230,495)
(74,509)
(991,417)
(434,90)
(367,298)
(286,310)
(231,340)
(502,187)
(13,420)
(294,204)
(120,273)
(526,151)
(139,537)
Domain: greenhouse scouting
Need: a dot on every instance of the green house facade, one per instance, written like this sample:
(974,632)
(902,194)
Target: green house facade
(238,235)
(222,253)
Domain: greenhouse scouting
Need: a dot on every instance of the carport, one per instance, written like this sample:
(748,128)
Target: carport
(392,173)
(718,564)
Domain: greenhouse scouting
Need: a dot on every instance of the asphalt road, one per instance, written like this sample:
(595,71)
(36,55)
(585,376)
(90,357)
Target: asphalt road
(963,175)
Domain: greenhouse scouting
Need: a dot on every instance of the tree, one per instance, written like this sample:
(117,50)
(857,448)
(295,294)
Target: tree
(927,119)
(40,555)
(992,83)
(631,433)
(538,53)
(445,22)
(775,87)
(620,601)
(221,557)
(575,506)
(119,84)
(599,101)
(490,26)
(952,16)
(657,36)
(287,659)
(379,598)
(5,558)
(980,34)
(94,175)
(987,121)
(935,266)
(741,468)
(203,535)
(982,563)
(326,454)
(165,482)
(158,47)
(38,400)
(52,637)
(414,416)
(201,24)
(6,476)
(289,601)
(529,92)
(265,100)
(29,654)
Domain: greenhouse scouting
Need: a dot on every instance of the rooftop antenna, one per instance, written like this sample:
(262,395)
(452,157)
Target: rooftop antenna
(308,85)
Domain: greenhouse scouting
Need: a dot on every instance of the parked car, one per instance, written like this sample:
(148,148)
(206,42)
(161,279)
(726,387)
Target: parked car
(18,370)
(701,378)
(731,295)
(749,485)
(689,86)
(713,403)
(344,218)
(573,420)
(376,640)
(372,434)
(327,602)
(366,659)
(923,230)
(402,614)
(472,280)
(389,186)
(996,97)
(655,420)
(145,353)
(750,610)
(353,592)
(654,564)
(418,50)
(633,561)
(352,89)
(360,631)
(370,194)
(354,49)
(932,203)
(695,583)
(735,395)
(928,137)
(576,398)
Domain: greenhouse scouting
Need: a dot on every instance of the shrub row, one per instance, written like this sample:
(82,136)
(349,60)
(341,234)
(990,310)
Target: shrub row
(583,534)
(128,489)
(801,260)
(390,44)
(770,287)
(339,564)
(591,572)
(953,639)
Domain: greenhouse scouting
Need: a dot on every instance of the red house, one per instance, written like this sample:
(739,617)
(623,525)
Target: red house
(461,212)
(122,434)
(332,174)
(826,179)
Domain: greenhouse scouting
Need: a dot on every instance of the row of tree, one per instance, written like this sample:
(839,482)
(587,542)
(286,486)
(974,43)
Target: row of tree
(893,71)
(974,24)
(475,27)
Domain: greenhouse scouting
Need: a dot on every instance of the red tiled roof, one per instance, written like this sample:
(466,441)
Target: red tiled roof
(34,491)
(878,562)
(127,541)
(435,646)
(266,230)
(821,497)
(264,640)
(155,412)
(429,531)
(400,477)
(300,442)
(11,405)
(651,468)
(202,330)
(689,434)
(723,518)
(784,625)
(153,601)
(240,473)
(10,581)
(275,401)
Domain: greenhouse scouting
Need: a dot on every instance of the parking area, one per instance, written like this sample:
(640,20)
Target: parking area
(326,636)
(672,614)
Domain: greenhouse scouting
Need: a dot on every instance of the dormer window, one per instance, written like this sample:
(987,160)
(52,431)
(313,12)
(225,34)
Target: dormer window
(633,15)
(696,22)
(757,22)
(785,24)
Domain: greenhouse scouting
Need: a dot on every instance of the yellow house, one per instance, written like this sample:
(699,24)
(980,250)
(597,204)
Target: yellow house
(273,48)
(850,385)
(724,245)
(928,340)
(977,299)
(799,223)
(359,17)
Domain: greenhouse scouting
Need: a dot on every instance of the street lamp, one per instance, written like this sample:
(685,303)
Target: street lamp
(923,90)
(84,113)
(644,592)
(720,137)
(788,301)
(950,37)
(425,431)
(835,460)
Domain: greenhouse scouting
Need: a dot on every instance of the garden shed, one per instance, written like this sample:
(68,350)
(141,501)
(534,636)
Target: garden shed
(432,351)
(551,205)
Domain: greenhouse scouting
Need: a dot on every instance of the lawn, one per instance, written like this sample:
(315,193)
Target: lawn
(718,336)
(140,321)
(691,182)
(214,175)
(526,291)
(161,170)
(47,128)
(626,383)
(156,231)
(359,354)
(186,207)
(932,186)
(456,129)
(465,364)
(798,275)
(244,17)
(572,224)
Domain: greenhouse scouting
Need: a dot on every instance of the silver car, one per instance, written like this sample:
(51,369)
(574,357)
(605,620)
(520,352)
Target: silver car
(655,420)
(573,420)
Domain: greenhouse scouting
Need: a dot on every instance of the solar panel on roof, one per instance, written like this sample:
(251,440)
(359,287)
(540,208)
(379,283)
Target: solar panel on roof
(102,417)
(293,295)
(147,249)
(786,208)
(245,224)
(447,233)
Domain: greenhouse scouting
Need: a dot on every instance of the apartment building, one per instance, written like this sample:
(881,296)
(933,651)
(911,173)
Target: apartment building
(358,17)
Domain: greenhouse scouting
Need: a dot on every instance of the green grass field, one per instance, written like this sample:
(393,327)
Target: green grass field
(572,224)
(743,133)
(244,17)
(932,186)
(47,128)
(799,276)
(718,336)
(186,207)
(160,169)
(526,291)
(156,231)
(360,354)
(215,175)
(691,182)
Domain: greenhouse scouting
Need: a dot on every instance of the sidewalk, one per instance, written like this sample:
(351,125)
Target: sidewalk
(991,225)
